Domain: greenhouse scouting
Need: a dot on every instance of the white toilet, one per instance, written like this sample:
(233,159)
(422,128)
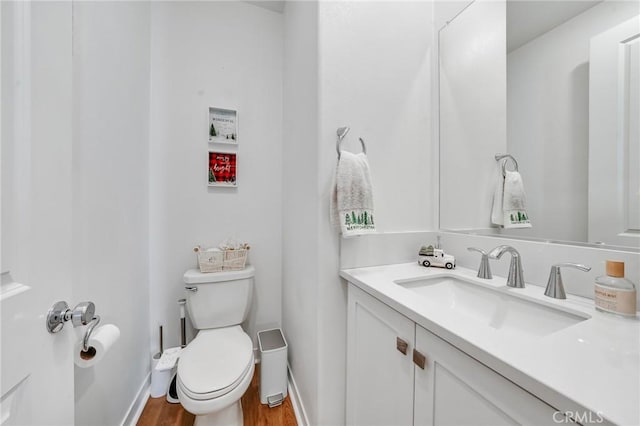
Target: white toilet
(216,368)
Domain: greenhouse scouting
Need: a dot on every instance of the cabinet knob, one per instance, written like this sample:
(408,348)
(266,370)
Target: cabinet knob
(419,359)
(401,345)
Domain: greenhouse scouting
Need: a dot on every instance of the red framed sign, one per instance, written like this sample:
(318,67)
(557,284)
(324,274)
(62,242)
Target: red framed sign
(223,168)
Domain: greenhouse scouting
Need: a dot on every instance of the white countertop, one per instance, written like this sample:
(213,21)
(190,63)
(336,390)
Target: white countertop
(593,365)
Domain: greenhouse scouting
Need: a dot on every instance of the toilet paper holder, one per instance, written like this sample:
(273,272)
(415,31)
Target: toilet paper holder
(87,334)
(82,314)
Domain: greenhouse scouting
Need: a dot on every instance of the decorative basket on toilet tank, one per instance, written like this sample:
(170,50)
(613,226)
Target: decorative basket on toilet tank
(228,257)
(234,259)
(209,260)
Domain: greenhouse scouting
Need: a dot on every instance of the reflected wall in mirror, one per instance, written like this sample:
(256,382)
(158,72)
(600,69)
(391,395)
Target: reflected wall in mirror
(519,77)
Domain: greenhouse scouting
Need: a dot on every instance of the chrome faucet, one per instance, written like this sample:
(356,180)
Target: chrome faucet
(516,277)
(555,288)
(484,271)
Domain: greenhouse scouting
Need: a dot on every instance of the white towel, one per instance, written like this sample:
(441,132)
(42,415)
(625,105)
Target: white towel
(497,215)
(509,208)
(513,203)
(352,196)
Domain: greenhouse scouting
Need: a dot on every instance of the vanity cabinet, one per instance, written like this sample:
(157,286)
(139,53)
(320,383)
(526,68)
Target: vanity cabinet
(380,374)
(427,381)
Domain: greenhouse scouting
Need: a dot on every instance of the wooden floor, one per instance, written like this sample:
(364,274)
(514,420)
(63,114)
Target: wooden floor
(158,412)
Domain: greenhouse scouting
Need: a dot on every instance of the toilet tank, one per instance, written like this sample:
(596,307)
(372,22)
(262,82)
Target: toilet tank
(218,299)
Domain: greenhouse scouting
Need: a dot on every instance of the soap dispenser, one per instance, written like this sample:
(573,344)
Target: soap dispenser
(614,293)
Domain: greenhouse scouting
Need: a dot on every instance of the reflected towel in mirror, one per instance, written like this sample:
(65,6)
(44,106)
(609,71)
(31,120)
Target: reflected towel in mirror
(509,210)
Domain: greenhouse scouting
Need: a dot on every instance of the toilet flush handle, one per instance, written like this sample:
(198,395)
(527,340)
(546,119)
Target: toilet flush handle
(191,288)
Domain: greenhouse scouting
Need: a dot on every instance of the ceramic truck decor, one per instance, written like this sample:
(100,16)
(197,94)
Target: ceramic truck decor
(429,256)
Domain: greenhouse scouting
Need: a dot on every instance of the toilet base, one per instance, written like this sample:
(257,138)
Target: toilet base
(230,416)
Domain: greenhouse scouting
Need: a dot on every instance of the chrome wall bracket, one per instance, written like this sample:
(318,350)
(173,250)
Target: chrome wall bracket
(56,316)
(59,313)
(82,314)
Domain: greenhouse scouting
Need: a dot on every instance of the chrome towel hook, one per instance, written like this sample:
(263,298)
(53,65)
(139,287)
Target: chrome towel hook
(507,157)
(342,132)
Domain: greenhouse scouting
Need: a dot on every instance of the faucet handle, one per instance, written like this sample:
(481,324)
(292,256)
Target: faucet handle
(580,266)
(484,271)
(555,288)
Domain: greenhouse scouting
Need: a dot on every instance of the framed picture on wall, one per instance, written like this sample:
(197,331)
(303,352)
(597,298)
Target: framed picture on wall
(223,169)
(223,125)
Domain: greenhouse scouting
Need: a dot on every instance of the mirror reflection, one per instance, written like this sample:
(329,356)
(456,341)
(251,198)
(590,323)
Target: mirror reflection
(555,85)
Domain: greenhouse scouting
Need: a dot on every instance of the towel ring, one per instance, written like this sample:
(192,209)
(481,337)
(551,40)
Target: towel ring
(506,158)
(342,132)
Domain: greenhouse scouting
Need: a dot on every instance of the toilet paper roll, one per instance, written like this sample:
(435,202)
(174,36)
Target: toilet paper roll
(159,378)
(101,340)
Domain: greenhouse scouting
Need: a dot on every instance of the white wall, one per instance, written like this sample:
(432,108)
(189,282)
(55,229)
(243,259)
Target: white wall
(375,75)
(472,84)
(445,10)
(383,93)
(229,55)
(548,120)
(110,197)
(301,206)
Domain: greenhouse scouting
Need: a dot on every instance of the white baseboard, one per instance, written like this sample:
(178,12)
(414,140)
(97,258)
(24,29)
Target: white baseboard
(137,406)
(296,401)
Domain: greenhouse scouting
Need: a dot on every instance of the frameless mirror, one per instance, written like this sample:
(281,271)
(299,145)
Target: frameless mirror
(556,85)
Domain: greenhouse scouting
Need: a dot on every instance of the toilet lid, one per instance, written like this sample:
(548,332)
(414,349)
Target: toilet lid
(215,362)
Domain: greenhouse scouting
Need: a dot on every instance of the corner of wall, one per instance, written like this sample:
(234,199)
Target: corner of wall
(300,202)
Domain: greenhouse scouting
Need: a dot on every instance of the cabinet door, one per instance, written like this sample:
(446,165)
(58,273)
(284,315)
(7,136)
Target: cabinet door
(379,375)
(455,389)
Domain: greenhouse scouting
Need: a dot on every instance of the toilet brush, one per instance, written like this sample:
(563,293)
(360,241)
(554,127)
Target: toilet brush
(183,323)
(172,392)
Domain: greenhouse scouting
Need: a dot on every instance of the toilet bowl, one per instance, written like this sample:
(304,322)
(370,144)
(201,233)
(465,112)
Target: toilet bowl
(216,368)
(214,371)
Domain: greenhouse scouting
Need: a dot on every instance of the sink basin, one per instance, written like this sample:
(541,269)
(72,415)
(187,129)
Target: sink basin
(493,307)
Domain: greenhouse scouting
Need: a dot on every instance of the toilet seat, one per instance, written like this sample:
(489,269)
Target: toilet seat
(215,363)
(205,396)
(215,411)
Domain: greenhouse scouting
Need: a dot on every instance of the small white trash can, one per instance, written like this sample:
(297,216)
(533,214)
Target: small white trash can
(273,367)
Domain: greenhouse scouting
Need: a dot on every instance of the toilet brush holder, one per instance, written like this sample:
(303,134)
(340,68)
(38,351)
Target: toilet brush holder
(159,378)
